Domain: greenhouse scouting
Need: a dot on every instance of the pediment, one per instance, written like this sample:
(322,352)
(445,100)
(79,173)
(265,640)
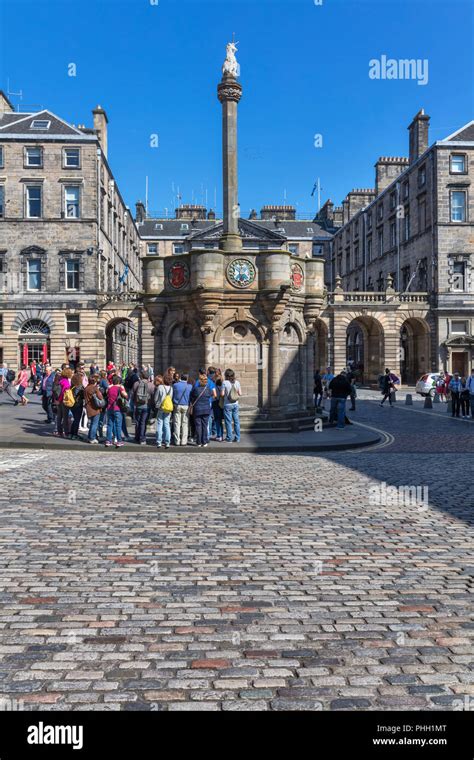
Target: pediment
(247,229)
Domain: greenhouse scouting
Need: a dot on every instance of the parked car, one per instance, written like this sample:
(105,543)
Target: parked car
(426,385)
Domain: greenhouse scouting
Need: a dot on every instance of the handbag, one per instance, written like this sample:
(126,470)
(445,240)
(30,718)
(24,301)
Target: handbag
(191,406)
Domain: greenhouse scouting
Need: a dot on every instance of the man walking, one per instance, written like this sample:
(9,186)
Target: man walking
(340,389)
(387,386)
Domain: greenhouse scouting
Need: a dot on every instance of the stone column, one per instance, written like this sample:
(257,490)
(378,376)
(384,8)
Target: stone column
(310,368)
(274,369)
(229,92)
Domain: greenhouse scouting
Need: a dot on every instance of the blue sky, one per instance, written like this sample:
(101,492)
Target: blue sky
(304,70)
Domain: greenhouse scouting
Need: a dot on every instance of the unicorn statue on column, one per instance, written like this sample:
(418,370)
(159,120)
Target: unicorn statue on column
(230,64)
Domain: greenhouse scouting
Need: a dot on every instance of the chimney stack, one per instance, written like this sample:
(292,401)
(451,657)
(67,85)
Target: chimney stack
(387,169)
(5,105)
(100,126)
(140,212)
(418,131)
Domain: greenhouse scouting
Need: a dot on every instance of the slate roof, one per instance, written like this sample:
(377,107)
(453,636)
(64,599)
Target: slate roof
(208,229)
(465,133)
(20,124)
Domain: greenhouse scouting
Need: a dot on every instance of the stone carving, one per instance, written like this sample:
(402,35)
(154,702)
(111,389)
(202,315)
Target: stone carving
(178,275)
(297,277)
(230,64)
(241,273)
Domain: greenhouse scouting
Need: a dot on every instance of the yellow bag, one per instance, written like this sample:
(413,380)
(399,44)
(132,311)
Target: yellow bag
(68,399)
(167,403)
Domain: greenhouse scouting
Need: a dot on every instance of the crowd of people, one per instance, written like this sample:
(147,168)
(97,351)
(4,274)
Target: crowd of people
(459,390)
(187,411)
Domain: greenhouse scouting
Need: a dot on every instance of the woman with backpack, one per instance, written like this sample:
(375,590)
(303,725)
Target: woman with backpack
(115,393)
(142,392)
(163,403)
(77,389)
(62,416)
(95,403)
(230,393)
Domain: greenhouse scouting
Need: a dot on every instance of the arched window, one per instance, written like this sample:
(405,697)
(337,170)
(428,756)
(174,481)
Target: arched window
(34,326)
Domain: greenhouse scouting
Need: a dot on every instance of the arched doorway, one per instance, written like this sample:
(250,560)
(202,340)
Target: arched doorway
(185,349)
(321,358)
(291,391)
(34,342)
(238,346)
(414,350)
(121,342)
(365,348)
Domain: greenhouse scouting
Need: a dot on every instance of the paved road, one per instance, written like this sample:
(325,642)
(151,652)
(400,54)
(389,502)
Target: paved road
(235,582)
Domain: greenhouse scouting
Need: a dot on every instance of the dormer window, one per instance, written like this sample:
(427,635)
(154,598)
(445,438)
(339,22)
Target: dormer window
(184,227)
(158,226)
(40,124)
(309,229)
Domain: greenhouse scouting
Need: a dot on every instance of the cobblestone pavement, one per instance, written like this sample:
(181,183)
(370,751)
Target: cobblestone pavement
(240,582)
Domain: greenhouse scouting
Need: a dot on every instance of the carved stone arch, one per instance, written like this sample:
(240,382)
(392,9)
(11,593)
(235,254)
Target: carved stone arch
(26,314)
(177,322)
(256,325)
(33,250)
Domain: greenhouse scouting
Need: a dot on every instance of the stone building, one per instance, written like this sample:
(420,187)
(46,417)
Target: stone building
(237,295)
(70,266)
(412,236)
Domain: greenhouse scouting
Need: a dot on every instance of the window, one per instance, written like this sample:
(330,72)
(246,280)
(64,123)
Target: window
(393,200)
(33,201)
(71,200)
(152,249)
(423,275)
(458,327)
(405,277)
(380,282)
(370,284)
(34,157)
(178,248)
(406,226)
(72,323)
(1,323)
(40,124)
(393,235)
(421,216)
(356,228)
(72,274)
(158,226)
(380,211)
(422,176)
(369,220)
(348,262)
(309,229)
(2,157)
(3,268)
(2,201)
(380,242)
(458,206)
(356,256)
(293,248)
(209,246)
(458,163)
(317,249)
(34,274)
(459,275)
(369,249)
(72,158)
(184,227)
(406,190)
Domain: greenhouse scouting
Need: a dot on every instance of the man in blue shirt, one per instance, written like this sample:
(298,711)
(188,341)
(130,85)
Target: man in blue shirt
(181,392)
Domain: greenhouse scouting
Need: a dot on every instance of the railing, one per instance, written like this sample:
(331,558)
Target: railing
(376,297)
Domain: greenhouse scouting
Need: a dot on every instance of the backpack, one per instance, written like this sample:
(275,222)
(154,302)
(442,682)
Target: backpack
(68,398)
(141,395)
(233,394)
(10,376)
(167,403)
(97,403)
